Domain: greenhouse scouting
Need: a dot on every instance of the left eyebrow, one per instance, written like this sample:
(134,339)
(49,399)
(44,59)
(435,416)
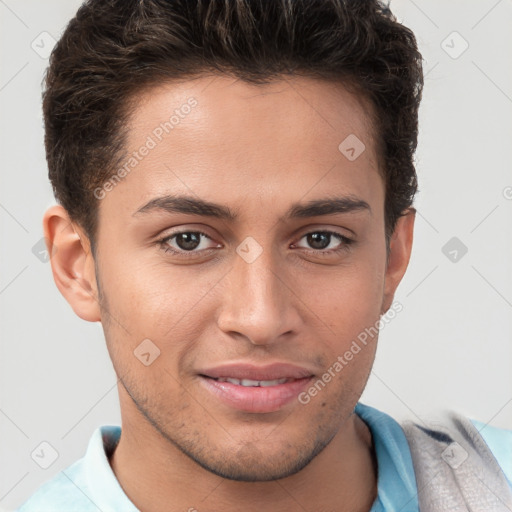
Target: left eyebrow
(200,207)
(328,206)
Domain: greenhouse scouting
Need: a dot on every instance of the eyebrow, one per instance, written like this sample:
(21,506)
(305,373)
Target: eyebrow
(193,206)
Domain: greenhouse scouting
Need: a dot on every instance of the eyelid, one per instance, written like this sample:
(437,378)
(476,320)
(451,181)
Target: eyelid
(170,232)
(333,228)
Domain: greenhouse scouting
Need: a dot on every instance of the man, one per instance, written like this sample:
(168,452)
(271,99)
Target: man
(235,183)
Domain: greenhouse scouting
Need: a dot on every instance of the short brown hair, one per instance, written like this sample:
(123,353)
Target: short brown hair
(112,49)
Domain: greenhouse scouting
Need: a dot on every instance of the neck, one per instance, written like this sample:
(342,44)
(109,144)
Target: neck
(156,475)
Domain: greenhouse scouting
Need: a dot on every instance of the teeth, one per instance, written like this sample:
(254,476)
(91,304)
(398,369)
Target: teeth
(249,382)
(264,383)
(253,383)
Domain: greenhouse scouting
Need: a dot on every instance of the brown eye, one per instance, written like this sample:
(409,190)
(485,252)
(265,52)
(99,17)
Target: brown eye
(319,241)
(186,243)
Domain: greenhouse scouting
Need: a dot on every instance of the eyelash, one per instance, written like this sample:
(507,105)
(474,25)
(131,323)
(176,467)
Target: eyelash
(345,246)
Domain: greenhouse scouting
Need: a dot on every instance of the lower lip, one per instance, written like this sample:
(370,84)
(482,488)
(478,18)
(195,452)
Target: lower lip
(257,398)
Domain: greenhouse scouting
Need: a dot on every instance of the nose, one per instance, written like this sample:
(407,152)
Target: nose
(258,300)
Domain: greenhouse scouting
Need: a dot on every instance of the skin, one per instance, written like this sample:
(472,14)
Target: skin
(256,150)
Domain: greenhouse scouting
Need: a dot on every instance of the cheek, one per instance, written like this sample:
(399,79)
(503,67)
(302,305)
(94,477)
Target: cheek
(162,304)
(349,300)
(149,294)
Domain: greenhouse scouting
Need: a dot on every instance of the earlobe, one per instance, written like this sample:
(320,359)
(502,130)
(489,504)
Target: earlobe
(399,255)
(72,263)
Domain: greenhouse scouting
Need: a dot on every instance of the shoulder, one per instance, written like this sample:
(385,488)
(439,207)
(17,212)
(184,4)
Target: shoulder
(61,493)
(87,485)
(499,441)
(453,450)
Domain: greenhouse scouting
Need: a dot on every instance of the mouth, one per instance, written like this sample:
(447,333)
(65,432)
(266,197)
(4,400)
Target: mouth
(261,392)
(252,383)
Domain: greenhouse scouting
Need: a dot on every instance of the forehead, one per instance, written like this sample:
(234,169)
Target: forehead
(223,103)
(214,134)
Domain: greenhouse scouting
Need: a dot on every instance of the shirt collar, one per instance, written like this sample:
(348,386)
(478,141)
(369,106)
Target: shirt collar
(105,489)
(396,482)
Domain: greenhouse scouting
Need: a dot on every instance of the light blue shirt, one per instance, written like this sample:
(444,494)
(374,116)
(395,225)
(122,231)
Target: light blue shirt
(90,485)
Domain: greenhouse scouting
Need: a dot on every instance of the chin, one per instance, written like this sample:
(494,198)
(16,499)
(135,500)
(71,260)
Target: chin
(249,464)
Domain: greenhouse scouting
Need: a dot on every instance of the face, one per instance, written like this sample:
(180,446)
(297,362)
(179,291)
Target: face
(243,244)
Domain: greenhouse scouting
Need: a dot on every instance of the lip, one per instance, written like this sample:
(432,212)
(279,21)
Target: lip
(272,371)
(256,399)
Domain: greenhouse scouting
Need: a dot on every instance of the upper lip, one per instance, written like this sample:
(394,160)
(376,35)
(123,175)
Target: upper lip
(272,371)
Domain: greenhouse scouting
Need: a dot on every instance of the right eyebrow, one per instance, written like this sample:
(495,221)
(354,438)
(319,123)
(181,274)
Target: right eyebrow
(187,205)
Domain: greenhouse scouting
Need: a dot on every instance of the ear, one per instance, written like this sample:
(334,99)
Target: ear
(399,255)
(72,263)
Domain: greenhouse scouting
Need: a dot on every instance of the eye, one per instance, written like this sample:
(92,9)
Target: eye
(321,240)
(185,242)
(191,243)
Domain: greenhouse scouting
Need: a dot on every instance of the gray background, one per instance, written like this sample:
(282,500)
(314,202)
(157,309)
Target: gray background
(449,348)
